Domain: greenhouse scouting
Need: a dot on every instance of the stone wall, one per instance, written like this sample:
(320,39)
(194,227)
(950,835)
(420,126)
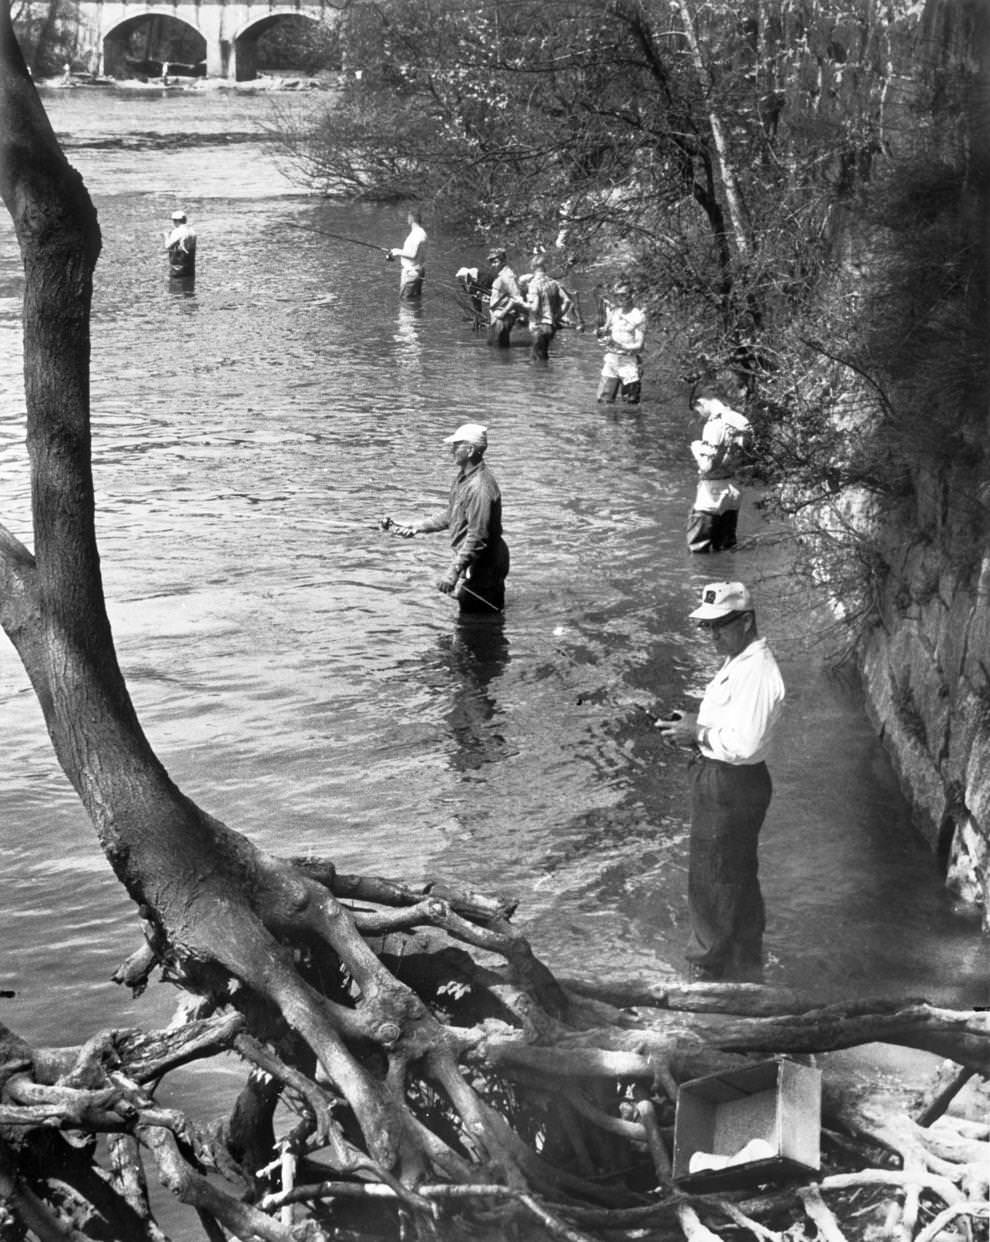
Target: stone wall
(926,675)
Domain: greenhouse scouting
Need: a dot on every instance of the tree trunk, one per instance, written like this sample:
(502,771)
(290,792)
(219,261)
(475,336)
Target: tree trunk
(727,172)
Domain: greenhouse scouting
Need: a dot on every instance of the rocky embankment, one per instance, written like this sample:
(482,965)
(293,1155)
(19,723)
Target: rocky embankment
(926,674)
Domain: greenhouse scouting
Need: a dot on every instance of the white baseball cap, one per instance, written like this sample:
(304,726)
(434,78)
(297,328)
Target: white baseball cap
(469,433)
(721,599)
(178,215)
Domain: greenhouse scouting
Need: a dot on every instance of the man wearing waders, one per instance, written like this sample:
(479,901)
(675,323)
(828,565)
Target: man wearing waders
(723,447)
(623,334)
(729,737)
(412,257)
(180,243)
(480,557)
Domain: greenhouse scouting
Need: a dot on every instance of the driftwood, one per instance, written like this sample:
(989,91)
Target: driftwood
(561,1128)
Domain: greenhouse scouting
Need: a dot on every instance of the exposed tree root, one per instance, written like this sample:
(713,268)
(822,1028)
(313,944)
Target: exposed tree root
(505,1110)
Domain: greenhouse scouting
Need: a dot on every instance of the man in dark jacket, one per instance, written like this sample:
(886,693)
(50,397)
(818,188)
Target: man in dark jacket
(480,557)
(506,304)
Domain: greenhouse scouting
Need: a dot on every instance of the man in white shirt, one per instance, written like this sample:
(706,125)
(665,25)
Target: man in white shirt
(719,453)
(623,334)
(412,256)
(730,785)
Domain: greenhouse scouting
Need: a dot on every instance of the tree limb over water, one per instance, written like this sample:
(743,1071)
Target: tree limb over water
(425,1057)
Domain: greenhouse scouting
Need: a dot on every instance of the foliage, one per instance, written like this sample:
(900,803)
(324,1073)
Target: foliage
(300,45)
(597,123)
(886,367)
(47,30)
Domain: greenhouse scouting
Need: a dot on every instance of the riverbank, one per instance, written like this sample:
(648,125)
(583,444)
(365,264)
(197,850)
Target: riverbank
(263,84)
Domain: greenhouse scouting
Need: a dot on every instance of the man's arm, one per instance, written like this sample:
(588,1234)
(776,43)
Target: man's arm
(638,336)
(410,249)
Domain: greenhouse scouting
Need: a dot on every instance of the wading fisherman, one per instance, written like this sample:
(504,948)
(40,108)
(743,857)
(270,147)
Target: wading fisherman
(180,244)
(729,737)
(505,302)
(477,284)
(412,257)
(480,560)
(726,437)
(548,304)
(623,334)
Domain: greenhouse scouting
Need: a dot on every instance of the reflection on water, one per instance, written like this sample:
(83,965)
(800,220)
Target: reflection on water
(302,678)
(408,350)
(477,652)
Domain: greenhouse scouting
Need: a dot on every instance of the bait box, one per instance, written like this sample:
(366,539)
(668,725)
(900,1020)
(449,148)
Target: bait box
(777,1102)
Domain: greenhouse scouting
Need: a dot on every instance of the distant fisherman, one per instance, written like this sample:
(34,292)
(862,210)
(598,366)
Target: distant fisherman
(480,561)
(506,303)
(548,304)
(622,334)
(723,447)
(477,285)
(181,246)
(412,256)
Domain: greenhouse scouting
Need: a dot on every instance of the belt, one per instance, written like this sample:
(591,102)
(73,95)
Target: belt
(698,756)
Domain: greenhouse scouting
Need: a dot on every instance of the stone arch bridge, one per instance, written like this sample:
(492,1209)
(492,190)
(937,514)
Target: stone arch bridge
(227,30)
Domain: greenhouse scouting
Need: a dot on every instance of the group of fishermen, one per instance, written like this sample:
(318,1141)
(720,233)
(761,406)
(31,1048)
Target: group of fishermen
(500,300)
(728,736)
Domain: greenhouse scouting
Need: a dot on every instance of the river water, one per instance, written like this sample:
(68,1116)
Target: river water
(295,667)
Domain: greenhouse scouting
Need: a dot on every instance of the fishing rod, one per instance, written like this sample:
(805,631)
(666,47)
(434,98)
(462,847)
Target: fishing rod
(354,241)
(389,524)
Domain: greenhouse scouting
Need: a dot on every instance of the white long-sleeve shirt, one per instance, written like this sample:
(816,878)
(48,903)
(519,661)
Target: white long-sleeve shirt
(741,706)
(413,253)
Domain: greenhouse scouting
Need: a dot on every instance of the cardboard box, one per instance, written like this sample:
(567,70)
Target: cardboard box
(774,1106)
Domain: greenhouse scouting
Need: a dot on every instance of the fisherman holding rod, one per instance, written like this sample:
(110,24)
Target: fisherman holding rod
(412,252)
(412,256)
(480,561)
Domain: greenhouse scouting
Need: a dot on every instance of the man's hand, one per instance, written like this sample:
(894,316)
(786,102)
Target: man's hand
(681,728)
(406,532)
(448,582)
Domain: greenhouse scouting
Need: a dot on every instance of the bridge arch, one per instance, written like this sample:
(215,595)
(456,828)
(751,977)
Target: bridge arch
(142,43)
(242,55)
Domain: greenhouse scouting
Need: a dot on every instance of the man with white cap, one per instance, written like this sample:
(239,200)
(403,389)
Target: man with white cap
(480,560)
(730,785)
(181,246)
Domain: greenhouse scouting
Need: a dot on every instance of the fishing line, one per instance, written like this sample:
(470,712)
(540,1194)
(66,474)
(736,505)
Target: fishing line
(354,241)
(387,524)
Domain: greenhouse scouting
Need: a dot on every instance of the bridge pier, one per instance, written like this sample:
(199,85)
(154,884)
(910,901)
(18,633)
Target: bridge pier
(218,56)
